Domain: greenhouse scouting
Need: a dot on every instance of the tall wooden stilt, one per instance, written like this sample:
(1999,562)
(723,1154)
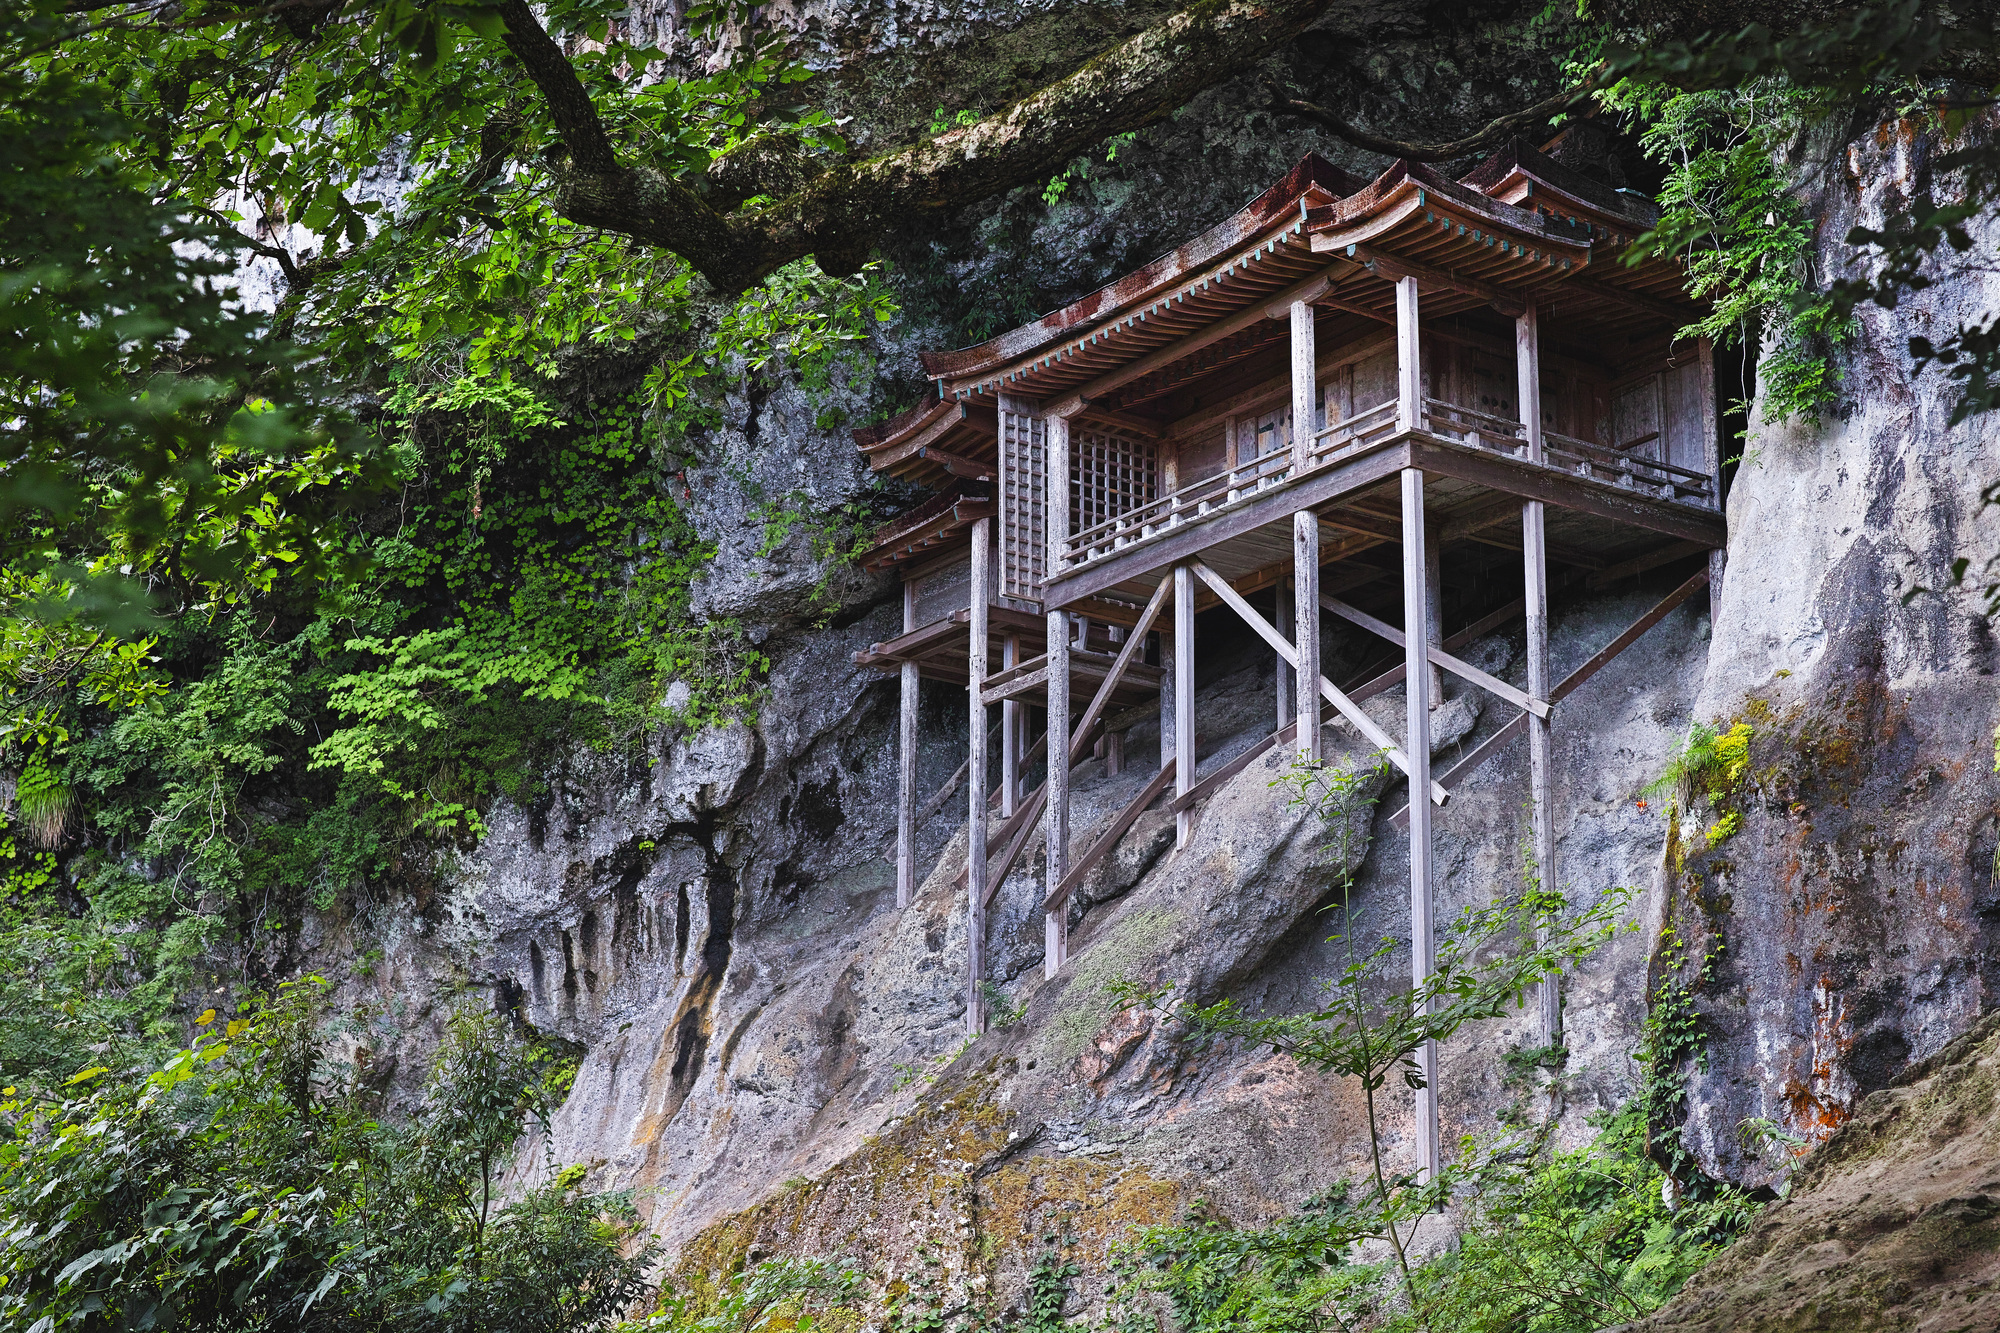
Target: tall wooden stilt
(1011,748)
(1281,615)
(1183,697)
(1535,577)
(1305,538)
(1055,829)
(975,824)
(1305,619)
(906,766)
(1167,677)
(1423,958)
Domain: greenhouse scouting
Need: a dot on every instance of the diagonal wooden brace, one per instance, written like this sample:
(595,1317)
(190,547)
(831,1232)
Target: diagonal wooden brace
(1439,657)
(1363,723)
(1487,748)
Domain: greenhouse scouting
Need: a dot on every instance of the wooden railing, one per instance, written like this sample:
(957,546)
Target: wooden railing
(1189,504)
(1199,500)
(1669,481)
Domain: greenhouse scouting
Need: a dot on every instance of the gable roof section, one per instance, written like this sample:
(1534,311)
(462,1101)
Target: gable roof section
(1519,226)
(1313,178)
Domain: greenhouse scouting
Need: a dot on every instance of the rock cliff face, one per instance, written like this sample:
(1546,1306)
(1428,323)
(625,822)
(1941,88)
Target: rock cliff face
(1854,918)
(772,1053)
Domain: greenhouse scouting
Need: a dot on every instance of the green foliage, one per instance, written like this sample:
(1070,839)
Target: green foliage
(1217,1278)
(1049,1278)
(1718,111)
(142,415)
(776,1296)
(1565,1242)
(1378,1034)
(244,1182)
(1673,1040)
(1729,214)
(1706,771)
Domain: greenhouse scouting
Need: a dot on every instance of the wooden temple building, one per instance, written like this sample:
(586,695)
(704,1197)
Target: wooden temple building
(1325,389)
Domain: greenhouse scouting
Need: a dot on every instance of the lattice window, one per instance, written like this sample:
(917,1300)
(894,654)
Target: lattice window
(1110,475)
(1024,481)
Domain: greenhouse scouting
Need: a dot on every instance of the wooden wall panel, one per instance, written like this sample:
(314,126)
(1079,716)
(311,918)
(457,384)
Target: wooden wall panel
(1023,536)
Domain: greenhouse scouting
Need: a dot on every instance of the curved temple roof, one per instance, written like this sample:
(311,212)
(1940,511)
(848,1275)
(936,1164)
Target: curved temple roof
(1520,226)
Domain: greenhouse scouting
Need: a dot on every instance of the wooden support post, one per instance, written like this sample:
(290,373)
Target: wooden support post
(975,825)
(906,765)
(1281,616)
(1409,358)
(1305,621)
(1055,829)
(1711,453)
(1012,715)
(1434,607)
(1183,697)
(1535,578)
(1416,678)
(1305,388)
(1167,750)
(1305,539)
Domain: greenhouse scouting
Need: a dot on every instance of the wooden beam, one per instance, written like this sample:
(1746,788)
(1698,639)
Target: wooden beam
(1188,346)
(1204,788)
(1492,745)
(957,464)
(1438,656)
(1417,715)
(1565,489)
(1604,291)
(1134,644)
(1363,723)
(1183,696)
(1396,269)
(1535,583)
(1390,679)
(1108,840)
(975,829)
(1055,831)
(1409,357)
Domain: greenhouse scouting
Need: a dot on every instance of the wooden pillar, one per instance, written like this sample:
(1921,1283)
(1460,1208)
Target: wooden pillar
(1305,535)
(1711,452)
(1423,957)
(1183,697)
(1305,387)
(975,824)
(1167,750)
(906,766)
(1535,580)
(1055,827)
(1434,605)
(1281,684)
(1305,620)
(1011,748)
(1409,358)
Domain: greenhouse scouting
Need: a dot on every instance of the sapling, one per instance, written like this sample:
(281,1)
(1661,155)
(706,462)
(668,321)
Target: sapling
(1366,1028)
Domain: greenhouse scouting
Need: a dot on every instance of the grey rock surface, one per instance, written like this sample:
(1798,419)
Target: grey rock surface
(772,1054)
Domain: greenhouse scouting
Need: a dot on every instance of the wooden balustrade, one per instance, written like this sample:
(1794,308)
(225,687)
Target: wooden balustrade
(1453,421)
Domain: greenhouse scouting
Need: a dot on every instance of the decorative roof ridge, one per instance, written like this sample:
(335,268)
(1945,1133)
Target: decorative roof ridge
(1378,192)
(1629,206)
(868,438)
(1236,230)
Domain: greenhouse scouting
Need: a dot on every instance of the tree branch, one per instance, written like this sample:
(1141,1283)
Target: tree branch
(1497,130)
(839,216)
